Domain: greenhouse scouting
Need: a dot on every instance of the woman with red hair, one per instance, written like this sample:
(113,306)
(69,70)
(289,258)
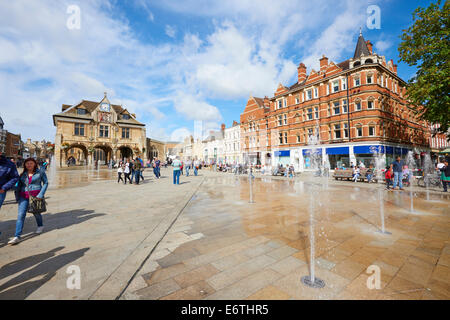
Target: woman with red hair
(34,183)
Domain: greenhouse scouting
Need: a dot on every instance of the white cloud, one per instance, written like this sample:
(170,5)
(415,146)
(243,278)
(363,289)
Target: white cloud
(245,53)
(382,45)
(170,31)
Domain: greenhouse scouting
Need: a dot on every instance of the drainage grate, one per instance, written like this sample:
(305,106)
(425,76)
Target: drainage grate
(318,283)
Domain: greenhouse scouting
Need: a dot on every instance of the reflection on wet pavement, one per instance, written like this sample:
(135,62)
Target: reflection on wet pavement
(261,250)
(78,176)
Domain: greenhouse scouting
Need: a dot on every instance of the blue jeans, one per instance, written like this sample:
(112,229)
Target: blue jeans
(369,177)
(155,172)
(187,171)
(137,175)
(2,198)
(158,171)
(195,171)
(398,180)
(23,207)
(176,176)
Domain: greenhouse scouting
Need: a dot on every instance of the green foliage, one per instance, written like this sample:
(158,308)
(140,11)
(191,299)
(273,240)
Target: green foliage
(426,44)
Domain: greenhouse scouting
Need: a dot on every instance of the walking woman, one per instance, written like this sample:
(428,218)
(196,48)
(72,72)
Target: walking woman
(119,172)
(127,172)
(34,183)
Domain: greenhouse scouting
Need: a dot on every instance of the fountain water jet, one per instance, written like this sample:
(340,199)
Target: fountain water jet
(379,165)
(311,280)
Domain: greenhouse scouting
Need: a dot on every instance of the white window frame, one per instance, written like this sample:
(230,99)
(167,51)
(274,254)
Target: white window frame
(334,86)
(344,83)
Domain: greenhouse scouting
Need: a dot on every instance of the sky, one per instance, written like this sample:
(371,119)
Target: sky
(173,63)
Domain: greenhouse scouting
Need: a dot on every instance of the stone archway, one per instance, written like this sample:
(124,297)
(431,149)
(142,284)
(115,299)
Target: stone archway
(77,154)
(102,154)
(125,152)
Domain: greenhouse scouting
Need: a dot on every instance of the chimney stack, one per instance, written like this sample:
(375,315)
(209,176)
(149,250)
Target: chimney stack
(301,72)
(369,46)
(395,68)
(266,102)
(323,63)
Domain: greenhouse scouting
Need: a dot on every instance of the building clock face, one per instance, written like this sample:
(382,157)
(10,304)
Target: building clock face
(104,107)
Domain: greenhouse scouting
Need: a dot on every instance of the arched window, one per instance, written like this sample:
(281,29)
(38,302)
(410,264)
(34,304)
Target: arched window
(357,63)
(368,61)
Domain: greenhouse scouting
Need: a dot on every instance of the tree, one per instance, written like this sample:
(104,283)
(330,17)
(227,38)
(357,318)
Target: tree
(426,44)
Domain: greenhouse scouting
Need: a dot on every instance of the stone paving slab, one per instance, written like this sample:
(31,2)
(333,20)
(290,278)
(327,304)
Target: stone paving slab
(261,250)
(105,228)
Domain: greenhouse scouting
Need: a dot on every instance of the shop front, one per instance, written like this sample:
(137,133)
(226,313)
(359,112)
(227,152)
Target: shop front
(282,157)
(339,157)
(312,158)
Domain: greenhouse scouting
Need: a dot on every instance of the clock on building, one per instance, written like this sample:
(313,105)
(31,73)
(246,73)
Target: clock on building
(105,107)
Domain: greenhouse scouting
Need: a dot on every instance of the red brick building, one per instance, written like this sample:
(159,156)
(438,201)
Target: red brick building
(347,110)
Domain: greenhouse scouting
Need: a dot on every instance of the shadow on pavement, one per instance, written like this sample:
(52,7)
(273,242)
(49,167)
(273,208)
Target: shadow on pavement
(45,270)
(52,221)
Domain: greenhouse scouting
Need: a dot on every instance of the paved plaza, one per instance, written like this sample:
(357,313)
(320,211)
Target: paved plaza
(204,240)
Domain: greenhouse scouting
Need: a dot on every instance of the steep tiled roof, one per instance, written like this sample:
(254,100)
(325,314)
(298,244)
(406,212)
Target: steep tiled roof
(259,101)
(344,65)
(361,47)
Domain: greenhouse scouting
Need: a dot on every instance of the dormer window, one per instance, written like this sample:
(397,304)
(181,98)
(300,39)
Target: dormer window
(125,117)
(81,112)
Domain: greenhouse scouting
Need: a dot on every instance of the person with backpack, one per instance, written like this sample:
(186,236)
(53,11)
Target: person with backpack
(137,170)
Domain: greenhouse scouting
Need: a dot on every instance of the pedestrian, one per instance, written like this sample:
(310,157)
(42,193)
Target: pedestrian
(127,171)
(181,167)
(445,175)
(398,174)
(158,168)
(388,176)
(137,170)
(177,165)
(291,171)
(196,164)
(8,177)
(119,173)
(188,166)
(32,183)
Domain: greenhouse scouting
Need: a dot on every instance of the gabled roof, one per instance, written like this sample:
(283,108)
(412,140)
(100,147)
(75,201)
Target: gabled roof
(90,107)
(1,121)
(259,101)
(361,47)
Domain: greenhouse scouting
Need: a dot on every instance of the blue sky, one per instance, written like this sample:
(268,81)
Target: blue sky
(174,62)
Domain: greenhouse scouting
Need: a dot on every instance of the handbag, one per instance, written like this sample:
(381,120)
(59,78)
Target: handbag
(35,205)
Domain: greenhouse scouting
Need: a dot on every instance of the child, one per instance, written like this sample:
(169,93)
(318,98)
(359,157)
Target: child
(388,176)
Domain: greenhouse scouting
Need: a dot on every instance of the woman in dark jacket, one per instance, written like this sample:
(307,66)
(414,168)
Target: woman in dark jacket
(32,182)
(445,175)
